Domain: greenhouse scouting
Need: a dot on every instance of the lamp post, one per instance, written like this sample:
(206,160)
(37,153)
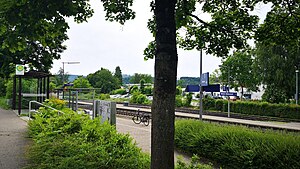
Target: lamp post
(296,95)
(63,70)
(200,89)
(228,92)
(63,73)
(227,89)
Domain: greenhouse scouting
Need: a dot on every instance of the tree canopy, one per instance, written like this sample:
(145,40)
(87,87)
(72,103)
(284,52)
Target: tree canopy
(118,75)
(81,82)
(33,31)
(104,80)
(238,69)
(137,77)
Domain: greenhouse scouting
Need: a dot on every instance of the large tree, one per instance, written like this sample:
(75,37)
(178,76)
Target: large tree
(104,80)
(81,82)
(230,27)
(118,74)
(137,77)
(238,69)
(277,53)
(275,68)
(33,31)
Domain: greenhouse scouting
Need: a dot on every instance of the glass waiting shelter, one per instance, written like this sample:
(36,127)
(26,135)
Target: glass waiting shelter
(39,88)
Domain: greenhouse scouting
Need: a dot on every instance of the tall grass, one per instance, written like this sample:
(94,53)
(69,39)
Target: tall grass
(238,147)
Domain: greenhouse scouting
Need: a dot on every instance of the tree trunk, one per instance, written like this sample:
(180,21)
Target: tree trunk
(163,105)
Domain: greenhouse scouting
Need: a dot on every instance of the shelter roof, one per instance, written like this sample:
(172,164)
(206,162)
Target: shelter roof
(35,74)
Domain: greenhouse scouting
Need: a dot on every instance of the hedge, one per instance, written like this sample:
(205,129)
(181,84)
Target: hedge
(238,147)
(289,111)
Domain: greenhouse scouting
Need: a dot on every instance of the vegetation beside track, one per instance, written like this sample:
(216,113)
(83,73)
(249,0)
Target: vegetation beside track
(238,147)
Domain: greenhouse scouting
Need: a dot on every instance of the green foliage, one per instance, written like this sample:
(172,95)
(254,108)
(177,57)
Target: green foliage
(118,75)
(148,90)
(142,85)
(137,77)
(103,96)
(193,165)
(72,140)
(288,111)
(239,68)
(238,147)
(188,100)
(274,94)
(60,78)
(34,29)
(178,90)
(275,66)
(133,89)
(119,91)
(281,26)
(178,101)
(55,103)
(2,87)
(81,82)
(28,86)
(184,81)
(139,98)
(118,11)
(52,86)
(214,77)
(3,103)
(104,80)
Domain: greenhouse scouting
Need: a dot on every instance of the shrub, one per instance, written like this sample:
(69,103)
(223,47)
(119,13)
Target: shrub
(193,165)
(148,90)
(103,96)
(289,111)
(188,100)
(133,89)
(238,147)
(72,140)
(119,91)
(178,101)
(139,98)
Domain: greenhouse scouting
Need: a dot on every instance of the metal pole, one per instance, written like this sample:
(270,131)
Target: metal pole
(296,95)
(200,89)
(63,81)
(63,73)
(228,92)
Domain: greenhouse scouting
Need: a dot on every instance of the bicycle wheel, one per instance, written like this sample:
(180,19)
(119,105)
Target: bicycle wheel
(136,119)
(146,120)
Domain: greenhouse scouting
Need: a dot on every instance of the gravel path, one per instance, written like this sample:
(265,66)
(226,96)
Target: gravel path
(13,141)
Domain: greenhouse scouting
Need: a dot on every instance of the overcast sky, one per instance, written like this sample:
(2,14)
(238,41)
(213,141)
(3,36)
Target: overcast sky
(99,43)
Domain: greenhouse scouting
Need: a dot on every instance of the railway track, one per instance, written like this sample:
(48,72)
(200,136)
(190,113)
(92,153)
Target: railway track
(239,119)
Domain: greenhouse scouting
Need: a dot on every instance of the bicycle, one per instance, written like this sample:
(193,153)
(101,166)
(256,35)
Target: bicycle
(141,117)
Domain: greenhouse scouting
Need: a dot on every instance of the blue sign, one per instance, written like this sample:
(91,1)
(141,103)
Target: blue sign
(228,94)
(209,88)
(212,88)
(205,79)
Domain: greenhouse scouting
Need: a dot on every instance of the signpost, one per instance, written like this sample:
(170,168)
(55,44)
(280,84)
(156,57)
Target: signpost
(20,69)
(228,94)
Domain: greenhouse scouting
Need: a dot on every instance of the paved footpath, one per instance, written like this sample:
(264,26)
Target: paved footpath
(13,140)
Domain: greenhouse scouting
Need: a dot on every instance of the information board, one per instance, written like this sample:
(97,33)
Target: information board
(106,110)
